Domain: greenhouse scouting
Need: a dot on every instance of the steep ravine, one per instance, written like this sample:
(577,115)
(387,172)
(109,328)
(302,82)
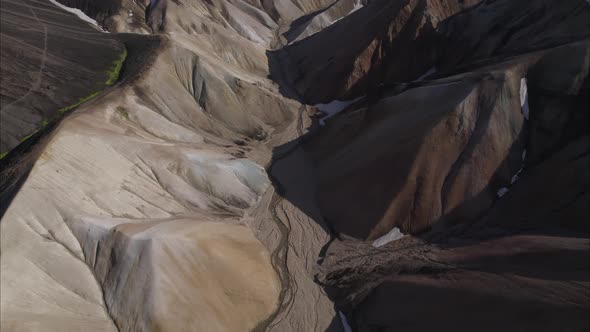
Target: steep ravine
(280,254)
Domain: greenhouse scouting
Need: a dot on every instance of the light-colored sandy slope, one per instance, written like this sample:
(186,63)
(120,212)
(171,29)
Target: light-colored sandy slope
(140,212)
(252,20)
(149,208)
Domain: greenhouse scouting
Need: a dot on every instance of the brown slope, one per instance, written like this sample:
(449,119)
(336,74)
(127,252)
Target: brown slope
(413,159)
(416,156)
(383,41)
(522,264)
(441,151)
(516,269)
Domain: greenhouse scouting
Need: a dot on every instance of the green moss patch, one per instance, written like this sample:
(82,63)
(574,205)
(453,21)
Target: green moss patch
(122,112)
(113,73)
(28,136)
(112,77)
(80,101)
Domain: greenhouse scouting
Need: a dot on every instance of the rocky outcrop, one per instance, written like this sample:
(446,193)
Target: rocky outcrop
(527,255)
(386,288)
(310,24)
(370,54)
(500,29)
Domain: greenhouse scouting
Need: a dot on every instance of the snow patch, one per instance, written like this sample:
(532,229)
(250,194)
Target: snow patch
(334,107)
(524,98)
(358,5)
(393,235)
(524,107)
(78,13)
(502,191)
(345,325)
(238,182)
(427,73)
(516,177)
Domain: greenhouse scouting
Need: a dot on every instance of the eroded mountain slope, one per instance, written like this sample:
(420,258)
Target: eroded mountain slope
(171,169)
(197,194)
(517,247)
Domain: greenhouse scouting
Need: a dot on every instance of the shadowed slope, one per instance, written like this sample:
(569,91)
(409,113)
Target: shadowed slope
(50,60)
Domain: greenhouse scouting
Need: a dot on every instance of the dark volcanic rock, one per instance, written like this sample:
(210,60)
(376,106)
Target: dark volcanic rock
(439,151)
(519,261)
(433,151)
(353,56)
(559,94)
(507,279)
(50,60)
(505,28)
(527,258)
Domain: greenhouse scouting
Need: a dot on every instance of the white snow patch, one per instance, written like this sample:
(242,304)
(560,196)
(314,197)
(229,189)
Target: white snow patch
(345,325)
(502,191)
(78,13)
(231,180)
(524,106)
(426,74)
(334,107)
(524,98)
(358,5)
(516,177)
(393,235)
